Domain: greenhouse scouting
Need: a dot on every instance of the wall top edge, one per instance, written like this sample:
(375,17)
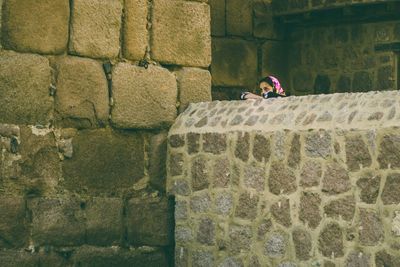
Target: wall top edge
(348,111)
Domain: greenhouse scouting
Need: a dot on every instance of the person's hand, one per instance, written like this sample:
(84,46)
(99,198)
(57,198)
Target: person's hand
(249,95)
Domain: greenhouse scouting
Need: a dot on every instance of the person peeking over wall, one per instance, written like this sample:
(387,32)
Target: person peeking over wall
(270,88)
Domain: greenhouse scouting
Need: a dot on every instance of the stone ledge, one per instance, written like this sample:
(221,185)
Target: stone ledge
(335,111)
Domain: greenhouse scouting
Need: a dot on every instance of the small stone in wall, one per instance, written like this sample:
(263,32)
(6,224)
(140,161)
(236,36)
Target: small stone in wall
(242,146)
(357,154)
(287,264)
(396,224)
(193,140)
(206,231)
(200,203)
(239,238)
(181,210)
(254,177)
(281,180)
(261,148)
(214,143)
(179,187)
(330,241)
(358,259)
(199,174)
(264,228)
(247,206)
(176,140)
(231,262)
(336,179)
(390,193)
(65,147)
(371,228)
(176,164)
(202,258)
(302,244)
(388,153)
(369,186)
(343,208)
(309,209)
(295,152)
(275,246)
(318,144)
(384,259)
(222,172)
(223,203)
(281,212)
(183,234)
(311,173)
(181,257)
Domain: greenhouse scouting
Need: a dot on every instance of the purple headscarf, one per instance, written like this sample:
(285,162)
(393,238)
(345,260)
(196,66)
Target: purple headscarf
(277,85)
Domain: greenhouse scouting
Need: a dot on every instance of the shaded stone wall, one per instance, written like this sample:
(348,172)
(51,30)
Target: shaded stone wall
(297,181)
(88,91)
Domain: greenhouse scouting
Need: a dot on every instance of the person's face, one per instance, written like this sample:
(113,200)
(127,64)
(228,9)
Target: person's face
(265,87)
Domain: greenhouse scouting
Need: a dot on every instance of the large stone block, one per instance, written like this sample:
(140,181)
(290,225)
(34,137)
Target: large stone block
(58,222)
(12,258)
(239,17)
(218,23)
(104,221)
(143,98)
(135,29)
(194,85)
(82,99)
(95,28)
(150,221)
(234,63)
(104,161)
(13,228)
(24,89)
(157,161)
(189,25)
(36,26)
(389,156)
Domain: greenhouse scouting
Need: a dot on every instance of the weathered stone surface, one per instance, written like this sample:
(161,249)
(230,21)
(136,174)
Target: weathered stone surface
(357,154)
(322,84)
(302,244)
(261,148)
(157,161)
(150,221)
(281,212)
(239,17)
(193,142)
(234,63)
(103,162)
(247,206)
(318,144)
(336,179)
(194,86)
(143,98)
(330,241)
(254,177)
(217,17)
(25,97)
(344,208)
(309,209)
(36,26)
(202,258)
(383,258)
(295,152)
(264,227)
(181,210)
(242,149)
(135,31)
(362,82)
(189,23)
(95,28)
(385,77)
(358,259)
(58,222)
(176,140)
(239,238)
(176,162)
(311,173)
(369,185)
(263,24)
(396,223)
(200,174)
(223,203)
(13,227)
(388,152)
(275,246)
(183,234)
(222,172)
(179,187)
(214,143)
(200,203)
(371,228)
(82,99)
(390,193)
(281,180)
(181,256)
(206,231)
(12,258)
(104,257)
(104,221)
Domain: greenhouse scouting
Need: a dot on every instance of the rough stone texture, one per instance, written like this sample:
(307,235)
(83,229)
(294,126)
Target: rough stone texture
(336,179)
(200,203)
(103,162)
(58,222)
(295,149)
(275,246)
(261,148)
(396,223)
(371,228)
(95,28)
(134,29)
(206,231)
(318,144)
(309,209)
(189,23)
(358,259)
(214,143)
(369,185)
(202,258)
(217,17)
(157,161)
(200,174)
(82,93)
(194,85)
(143,98)
(18,258)
(281,180)
(104,221)
(242,149)
(254,177)
(247,206)
(150,221)
(390,191)
(13,223)
(176,162)
(239,238)
(281,212)
(103,257)
(388,153)
(382,259)
(302,244)
(239,19)
(311,174)
(330,241)
(222,173)
(343,208)
(234,63)
(223,203)
(36,26)
(193,140)
(25,98)
(357,154)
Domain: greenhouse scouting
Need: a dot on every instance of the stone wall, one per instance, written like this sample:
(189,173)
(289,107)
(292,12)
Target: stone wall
(297,181)
(88,91)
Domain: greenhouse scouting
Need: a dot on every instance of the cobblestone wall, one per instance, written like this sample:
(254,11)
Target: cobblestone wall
(299,181)
(88,91)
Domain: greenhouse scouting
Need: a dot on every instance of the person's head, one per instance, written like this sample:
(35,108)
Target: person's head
(270,83)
